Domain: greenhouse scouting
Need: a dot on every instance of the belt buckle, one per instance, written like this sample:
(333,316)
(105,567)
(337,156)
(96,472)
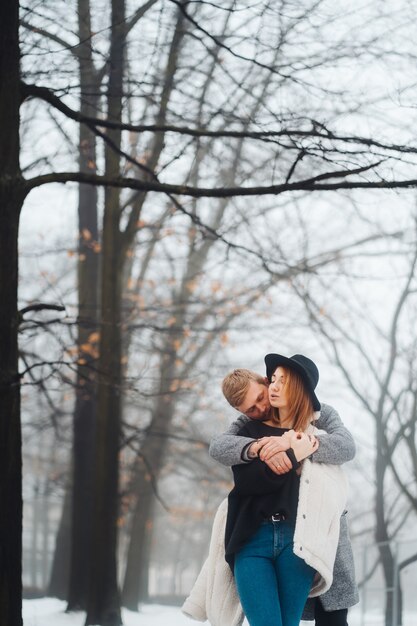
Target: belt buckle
(277,517)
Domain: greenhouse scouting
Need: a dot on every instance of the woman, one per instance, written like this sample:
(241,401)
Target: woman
(272,573)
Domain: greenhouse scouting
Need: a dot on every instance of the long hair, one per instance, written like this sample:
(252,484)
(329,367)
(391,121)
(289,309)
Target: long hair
(299,401)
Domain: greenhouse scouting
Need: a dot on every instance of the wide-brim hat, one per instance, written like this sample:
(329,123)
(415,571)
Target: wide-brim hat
(304,366)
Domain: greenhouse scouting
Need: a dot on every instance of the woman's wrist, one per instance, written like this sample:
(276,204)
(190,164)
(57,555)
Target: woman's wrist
(293,458)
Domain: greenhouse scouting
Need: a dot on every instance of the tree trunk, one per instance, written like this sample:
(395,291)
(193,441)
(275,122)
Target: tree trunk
(103,600)
(35,533)
(45,539)
(10,428)
(86,389)
(103,606)
(11,199)
(58,580)
(135,586)
(382,535)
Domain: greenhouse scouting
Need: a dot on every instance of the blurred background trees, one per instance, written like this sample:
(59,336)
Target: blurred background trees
(307,109)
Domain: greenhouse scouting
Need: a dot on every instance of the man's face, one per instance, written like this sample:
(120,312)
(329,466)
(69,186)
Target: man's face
(256,403)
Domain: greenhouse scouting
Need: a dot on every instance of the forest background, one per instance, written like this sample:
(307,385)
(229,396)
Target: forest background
(184,187)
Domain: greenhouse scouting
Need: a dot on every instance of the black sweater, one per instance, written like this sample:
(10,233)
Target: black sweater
(258,493)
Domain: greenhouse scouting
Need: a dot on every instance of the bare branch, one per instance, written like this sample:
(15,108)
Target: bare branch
(216,192)
(316,131)
(41,306)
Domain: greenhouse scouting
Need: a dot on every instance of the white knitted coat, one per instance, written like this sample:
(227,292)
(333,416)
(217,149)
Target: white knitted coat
(322,499)
(321,502)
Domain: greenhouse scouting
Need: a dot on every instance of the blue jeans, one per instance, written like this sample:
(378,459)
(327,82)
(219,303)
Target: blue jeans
(273,583)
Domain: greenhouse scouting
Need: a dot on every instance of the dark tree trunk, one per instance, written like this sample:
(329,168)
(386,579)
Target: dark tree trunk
(86,389)
(135,586)
(10,435)
(58,580)
(11,200)
(82,495)
(103,606)
(103,601)
(10,430)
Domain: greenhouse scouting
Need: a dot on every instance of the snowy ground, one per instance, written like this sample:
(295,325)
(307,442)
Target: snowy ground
(51,612)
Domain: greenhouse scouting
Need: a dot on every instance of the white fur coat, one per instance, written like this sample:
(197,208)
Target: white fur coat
(214,596)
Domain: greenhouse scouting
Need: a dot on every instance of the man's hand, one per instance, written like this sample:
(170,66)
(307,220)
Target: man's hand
(269,446)
(279,463)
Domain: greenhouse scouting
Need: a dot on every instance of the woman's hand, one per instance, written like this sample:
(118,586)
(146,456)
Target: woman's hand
(303,445)
(279,463)
(269,446)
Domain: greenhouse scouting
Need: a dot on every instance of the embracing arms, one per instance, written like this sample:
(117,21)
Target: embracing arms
(336,445)
(256,478)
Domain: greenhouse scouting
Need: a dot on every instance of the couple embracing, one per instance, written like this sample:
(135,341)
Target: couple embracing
(280,548)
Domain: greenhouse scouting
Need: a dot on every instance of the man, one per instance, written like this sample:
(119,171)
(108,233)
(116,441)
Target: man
(247,392)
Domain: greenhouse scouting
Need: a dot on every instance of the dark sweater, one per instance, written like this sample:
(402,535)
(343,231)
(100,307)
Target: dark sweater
(258,493)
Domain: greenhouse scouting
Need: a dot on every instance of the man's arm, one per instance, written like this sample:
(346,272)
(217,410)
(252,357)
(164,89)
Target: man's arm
(227,448)
(336,446)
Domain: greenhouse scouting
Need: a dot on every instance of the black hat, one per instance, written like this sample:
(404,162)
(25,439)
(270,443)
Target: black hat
(301,364)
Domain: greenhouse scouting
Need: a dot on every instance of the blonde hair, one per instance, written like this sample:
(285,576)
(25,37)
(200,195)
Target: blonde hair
(235,385)
(299,401)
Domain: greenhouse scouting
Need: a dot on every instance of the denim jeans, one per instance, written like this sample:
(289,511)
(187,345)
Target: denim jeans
(273,583)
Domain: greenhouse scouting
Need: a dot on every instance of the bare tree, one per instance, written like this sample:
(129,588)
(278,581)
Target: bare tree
(11,200)
(378,368)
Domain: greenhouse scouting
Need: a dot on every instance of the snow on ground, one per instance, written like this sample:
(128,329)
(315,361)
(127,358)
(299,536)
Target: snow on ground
(51,612)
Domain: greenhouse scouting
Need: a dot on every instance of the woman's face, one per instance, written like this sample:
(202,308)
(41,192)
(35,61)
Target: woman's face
(276,391)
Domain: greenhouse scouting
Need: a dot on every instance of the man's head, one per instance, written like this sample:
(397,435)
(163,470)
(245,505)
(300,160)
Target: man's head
(247,392)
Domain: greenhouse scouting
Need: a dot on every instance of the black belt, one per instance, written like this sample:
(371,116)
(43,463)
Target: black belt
(276,517)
